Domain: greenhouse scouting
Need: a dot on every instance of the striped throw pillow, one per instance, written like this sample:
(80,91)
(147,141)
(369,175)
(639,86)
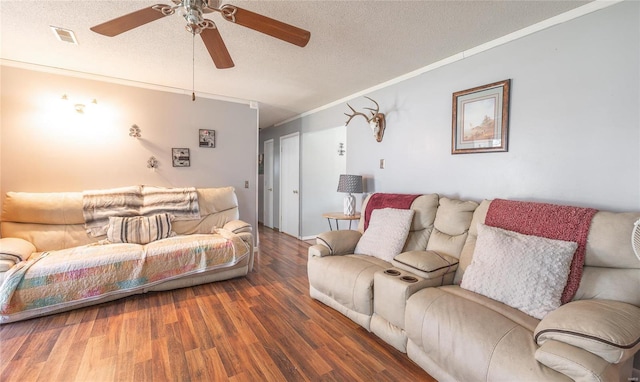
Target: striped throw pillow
(139,229)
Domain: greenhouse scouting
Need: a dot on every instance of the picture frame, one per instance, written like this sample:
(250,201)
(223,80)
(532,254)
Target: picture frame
(207,138)
(180,157)
(480,119)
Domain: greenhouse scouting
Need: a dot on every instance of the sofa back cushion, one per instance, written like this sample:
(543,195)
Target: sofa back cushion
(53,221)
(439,224)
(611,270)
(451,226)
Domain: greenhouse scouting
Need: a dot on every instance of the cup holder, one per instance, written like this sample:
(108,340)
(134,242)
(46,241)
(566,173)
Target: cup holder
(392,272)
(409,279)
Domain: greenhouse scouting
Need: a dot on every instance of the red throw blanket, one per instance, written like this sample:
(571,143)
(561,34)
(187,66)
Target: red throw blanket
(381,200)
(547,220)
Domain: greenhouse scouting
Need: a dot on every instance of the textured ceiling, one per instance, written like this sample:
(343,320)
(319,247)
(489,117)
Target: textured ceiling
(354,45)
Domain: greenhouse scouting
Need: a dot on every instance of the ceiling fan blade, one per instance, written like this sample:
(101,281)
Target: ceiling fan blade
(266,25)
(127,22)
(216,47)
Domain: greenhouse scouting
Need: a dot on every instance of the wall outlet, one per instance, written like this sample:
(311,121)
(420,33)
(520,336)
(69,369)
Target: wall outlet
(382,163)
(246,184)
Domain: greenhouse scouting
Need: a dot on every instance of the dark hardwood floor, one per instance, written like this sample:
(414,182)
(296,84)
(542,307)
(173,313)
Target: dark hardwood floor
(263,327)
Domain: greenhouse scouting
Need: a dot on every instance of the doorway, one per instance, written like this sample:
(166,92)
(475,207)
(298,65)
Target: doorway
(268,184)
(290,184)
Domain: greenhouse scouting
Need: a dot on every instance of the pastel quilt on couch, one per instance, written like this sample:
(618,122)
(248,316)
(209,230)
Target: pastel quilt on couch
(72,276)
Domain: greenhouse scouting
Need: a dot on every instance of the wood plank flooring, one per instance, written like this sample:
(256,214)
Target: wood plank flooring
(262,327)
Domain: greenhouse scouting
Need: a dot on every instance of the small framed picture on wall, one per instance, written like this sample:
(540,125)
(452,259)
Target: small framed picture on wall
(180,157)
(207,138)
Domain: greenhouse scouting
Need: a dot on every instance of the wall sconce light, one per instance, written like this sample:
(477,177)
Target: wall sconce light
(135,132)
(341,149)
(376,121)
(79,107)
(152,163)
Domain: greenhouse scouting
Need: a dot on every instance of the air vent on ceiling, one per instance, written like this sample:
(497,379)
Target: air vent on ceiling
(64,35)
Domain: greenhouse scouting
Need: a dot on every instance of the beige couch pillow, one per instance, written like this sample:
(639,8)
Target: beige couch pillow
(386,234)
(525,272)
(139,229)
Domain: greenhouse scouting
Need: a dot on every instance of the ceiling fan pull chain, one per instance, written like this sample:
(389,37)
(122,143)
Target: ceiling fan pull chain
(193,64)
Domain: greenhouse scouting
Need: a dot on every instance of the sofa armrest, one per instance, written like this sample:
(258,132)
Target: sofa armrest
(427,264)
(578,364)
(319,250)
(238,226)
(338,242)
(606,328)
(15,249)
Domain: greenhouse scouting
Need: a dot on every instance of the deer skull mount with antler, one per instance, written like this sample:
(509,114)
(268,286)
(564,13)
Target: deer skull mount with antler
(376,121)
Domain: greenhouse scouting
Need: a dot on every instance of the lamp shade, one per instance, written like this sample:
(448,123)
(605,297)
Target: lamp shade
(350,184)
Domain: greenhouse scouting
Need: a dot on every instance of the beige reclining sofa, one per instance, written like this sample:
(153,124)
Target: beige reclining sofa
(49,263)
(418,302)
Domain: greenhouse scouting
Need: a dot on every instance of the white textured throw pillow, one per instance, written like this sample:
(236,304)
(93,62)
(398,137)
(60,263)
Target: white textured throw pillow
(387,231)
(525,272)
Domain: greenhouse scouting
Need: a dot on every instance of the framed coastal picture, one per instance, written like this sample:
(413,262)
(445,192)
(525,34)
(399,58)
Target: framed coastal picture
(480,119)
(180,157)
(207,138)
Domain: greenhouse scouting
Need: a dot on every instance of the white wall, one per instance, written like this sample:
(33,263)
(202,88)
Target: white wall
(574,124)
(47,147)
(322,167)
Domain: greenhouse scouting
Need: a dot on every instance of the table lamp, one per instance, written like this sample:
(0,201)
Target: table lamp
(350,184)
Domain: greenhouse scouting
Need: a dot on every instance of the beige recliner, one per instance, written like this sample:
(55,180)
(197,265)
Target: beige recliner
(344,281)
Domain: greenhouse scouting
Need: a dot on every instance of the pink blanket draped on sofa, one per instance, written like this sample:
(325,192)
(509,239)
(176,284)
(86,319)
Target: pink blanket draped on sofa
(382,200)
(547,220)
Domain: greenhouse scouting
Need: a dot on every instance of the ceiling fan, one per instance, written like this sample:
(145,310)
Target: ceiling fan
(193,11)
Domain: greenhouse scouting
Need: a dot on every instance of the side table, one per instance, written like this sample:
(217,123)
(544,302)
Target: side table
(340,216)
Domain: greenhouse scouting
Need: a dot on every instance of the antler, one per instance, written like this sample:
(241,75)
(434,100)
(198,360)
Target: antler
(354,114)
(376,121)
(373,111)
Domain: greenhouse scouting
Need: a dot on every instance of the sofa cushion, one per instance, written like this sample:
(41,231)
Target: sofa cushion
(473,337)
(386,233)
(139,229)
(526,272)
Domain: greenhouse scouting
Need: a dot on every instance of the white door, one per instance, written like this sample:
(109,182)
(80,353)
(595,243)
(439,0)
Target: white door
(268,183)
(290,184)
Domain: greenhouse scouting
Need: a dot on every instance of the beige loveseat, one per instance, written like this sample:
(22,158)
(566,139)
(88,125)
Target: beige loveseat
(61,267)
(415,301)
